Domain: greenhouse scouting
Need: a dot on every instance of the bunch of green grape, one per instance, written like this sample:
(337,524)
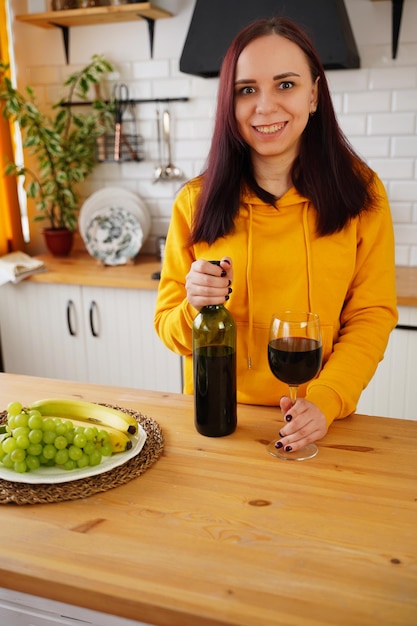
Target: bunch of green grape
(31,441)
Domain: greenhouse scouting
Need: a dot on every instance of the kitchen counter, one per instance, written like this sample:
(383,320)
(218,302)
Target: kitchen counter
(406,285)
(218,533)
(80,268)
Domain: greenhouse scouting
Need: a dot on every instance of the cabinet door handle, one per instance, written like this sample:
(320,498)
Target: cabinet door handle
(93,307)
(70,306)
(405,327)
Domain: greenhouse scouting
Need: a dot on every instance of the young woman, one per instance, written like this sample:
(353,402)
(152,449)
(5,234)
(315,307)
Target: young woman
(299,221)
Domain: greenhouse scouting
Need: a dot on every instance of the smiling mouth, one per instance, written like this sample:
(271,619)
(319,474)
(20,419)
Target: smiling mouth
(269,130)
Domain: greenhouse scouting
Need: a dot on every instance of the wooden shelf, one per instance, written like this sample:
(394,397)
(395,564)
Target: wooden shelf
(96,15)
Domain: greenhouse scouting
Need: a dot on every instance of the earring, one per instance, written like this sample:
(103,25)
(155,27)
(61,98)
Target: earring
(312,112)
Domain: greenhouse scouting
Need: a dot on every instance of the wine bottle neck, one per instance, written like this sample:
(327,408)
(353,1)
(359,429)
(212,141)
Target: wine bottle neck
(213,307)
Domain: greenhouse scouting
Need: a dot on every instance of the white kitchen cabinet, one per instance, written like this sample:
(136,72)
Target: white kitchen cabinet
(21,609)
(393,390)
(92,334)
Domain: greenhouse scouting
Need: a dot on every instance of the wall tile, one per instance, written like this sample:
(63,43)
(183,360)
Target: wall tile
(404,100)
(391,123)
(402,255)
(367,101)
(404,146)
(405,234)
(368,146)
(353,125)
(401,212)
(347,80)
(404,191)
(151,69)
(413,256)
(391,169)
(392,78)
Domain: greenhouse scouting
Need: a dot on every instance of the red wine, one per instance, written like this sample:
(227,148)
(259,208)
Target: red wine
(294,360)
(215,390)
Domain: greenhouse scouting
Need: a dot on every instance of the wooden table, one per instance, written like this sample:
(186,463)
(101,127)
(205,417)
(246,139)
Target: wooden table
(217,532)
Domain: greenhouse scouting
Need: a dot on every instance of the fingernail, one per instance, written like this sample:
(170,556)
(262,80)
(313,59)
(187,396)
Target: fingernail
(278,444)
(223,274)
(230,282)
(280,434)
(230,290)
(288,449)
(226,261)
(288,418)
(226,297)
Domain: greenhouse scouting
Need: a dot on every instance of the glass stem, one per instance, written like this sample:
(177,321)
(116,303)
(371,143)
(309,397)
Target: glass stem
(293,393)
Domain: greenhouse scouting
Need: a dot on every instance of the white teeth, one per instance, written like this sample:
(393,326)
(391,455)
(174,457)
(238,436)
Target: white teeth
(268,130)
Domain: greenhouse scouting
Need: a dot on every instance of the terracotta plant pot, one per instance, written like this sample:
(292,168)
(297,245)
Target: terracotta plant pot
(59,241)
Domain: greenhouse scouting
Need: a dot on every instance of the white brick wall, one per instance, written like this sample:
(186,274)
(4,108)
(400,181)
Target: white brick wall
(376,105)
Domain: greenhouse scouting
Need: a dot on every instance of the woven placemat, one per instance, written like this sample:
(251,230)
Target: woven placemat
(40,493)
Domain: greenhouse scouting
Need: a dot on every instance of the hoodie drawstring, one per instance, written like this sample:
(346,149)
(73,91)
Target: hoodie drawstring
(308,257)
(250,288)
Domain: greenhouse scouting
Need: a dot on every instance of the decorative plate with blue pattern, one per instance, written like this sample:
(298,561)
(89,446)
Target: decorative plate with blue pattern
(113,236)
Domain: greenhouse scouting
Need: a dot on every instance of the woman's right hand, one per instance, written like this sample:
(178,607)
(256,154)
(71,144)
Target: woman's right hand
(206,283)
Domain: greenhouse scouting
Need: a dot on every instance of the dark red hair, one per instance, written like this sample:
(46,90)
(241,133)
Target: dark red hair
(327,171)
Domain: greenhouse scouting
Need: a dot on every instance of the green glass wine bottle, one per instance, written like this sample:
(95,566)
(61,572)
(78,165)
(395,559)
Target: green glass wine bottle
(214,366)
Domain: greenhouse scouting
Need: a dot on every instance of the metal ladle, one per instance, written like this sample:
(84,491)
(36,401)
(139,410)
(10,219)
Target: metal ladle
(170,171)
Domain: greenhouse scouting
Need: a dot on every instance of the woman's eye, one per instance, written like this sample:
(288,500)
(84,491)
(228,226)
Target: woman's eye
(286,85)
(246,90)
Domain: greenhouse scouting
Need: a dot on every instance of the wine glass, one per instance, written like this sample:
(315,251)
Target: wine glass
(294,356)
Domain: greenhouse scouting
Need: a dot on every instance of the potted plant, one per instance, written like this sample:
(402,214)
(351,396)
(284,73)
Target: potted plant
(64,145)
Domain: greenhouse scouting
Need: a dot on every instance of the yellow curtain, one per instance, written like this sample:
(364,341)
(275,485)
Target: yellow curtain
(11,236)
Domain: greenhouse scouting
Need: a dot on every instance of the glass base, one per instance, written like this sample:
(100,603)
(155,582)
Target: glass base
(299,455)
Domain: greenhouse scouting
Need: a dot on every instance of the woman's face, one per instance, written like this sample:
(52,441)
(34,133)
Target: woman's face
(274,96)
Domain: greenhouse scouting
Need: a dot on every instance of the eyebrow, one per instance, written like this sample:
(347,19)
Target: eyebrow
(277,77)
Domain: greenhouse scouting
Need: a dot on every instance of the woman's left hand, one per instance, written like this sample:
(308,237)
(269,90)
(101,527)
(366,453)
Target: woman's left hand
(305,423)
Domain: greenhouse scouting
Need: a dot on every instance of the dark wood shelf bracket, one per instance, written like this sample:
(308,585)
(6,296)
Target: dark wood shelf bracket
(65,39)
(397,11)
(151,30)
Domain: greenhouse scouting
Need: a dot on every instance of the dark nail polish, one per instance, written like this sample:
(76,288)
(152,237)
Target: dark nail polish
(288,418)
(226,261)
(226,297)
(230,282)
(288,448)
(230,290)
(280,434)
(223,274)
(278,444)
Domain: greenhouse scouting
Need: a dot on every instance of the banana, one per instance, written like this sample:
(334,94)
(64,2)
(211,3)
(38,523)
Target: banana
(90,412)
(120,442)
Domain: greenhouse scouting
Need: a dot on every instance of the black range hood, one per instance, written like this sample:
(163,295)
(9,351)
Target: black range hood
(215,22)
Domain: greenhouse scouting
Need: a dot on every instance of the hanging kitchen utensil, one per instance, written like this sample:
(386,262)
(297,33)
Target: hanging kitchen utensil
(121,101)
(159,167)
(170,171)
(124,144)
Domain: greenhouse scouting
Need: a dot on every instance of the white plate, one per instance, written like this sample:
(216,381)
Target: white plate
(113,235)
(51,475)
(114,197)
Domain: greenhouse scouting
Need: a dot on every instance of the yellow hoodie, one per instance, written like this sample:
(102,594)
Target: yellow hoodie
(279,262)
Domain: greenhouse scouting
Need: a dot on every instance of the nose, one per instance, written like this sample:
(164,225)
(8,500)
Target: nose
(266,103)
